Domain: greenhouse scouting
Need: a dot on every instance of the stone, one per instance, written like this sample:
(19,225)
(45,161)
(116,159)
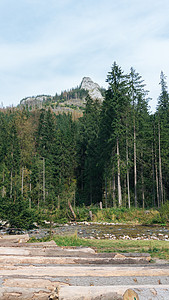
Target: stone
(92,87)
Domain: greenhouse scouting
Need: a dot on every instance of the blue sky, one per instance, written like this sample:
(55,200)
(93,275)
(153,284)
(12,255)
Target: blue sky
(47,46)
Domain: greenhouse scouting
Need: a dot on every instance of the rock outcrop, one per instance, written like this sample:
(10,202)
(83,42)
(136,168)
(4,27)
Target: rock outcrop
(68,101)
(92,87)
(35,100)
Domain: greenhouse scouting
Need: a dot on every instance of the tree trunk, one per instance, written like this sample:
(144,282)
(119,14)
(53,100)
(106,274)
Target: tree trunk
(156,170)
(160,168)
(113,188)
(157,188)
(58,202)
(11,185)
(44,180)
(125,198)
(128,178)
(142,182)
(114,191)
(153,175)
(72,211)
(106,191)
(135,167)
(91,198)
(22,181)
(30,190)
(118,176)
(3,188)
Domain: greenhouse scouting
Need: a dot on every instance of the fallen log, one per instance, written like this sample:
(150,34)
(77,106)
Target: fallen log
(72,211)
(79,271)
(15,293)
(90,293)
(16,238)
(147,293)
(62,260)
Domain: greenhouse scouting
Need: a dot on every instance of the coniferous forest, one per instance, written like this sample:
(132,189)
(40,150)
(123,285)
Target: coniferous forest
(116,153)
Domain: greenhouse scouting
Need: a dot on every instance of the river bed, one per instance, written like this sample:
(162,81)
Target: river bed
(89,230)
(108,231)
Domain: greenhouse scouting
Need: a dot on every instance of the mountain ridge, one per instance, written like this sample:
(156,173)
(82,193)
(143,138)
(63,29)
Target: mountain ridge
(68,101)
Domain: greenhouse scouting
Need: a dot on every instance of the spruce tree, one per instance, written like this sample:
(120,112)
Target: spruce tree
(113,126)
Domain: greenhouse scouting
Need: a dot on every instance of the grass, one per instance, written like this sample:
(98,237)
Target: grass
(157,249)
(115,215)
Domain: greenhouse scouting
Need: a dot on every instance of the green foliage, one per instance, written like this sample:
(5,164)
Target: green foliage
(18,214)
(164,212)
(47,160)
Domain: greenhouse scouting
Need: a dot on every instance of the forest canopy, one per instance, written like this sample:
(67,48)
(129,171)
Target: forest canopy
(117,152)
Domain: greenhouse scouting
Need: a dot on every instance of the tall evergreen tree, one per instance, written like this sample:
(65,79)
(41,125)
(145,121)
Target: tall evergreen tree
(113,125)
(162,117)
(89,186)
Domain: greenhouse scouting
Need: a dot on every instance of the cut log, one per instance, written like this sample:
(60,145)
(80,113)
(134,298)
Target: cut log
(90,293)
(15,293)
(147,293)
(17,238)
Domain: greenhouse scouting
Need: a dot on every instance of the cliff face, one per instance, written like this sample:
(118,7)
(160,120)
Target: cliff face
(67,101)
(35,100)
(92,87)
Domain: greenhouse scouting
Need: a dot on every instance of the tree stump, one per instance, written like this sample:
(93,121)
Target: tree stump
(147,293)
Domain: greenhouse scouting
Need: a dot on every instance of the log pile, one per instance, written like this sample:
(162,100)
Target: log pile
(46,271)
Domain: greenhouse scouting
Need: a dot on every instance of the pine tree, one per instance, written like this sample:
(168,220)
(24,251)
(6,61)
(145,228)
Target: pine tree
(136,94)
(89,187)
(163,133)
(113,126)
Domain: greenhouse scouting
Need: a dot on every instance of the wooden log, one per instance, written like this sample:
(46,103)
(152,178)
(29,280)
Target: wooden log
(76,270)
(147,293)
(90,215)
(62,260)
(17,238)
(72,211)
(90,293)
(15,293)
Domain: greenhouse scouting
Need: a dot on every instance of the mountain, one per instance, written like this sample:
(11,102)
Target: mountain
(68,101)
(92,87)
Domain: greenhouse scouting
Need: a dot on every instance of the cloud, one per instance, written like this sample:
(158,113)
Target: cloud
(50,45)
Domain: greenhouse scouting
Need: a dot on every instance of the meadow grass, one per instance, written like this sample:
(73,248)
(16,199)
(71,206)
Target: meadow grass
(158,249)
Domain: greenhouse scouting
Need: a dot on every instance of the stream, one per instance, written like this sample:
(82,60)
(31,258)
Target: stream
(108,231)
(89,230)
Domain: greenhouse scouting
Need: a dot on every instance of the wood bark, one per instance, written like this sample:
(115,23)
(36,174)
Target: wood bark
(44,180)
(72,211)
(30,190)
(135,167)
(153,164)
(142,181)
(11,184)
(128,178)
(91,196)
(58,202)
(114,192)
(22,181)
(125,196)
(118,176)
(160,168)
(156,171)
(146,293)
(3,188)
(106,191)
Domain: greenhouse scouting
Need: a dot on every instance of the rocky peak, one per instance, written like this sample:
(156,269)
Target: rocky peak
(92,87)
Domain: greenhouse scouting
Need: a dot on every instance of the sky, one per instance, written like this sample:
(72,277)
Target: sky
(47,46)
